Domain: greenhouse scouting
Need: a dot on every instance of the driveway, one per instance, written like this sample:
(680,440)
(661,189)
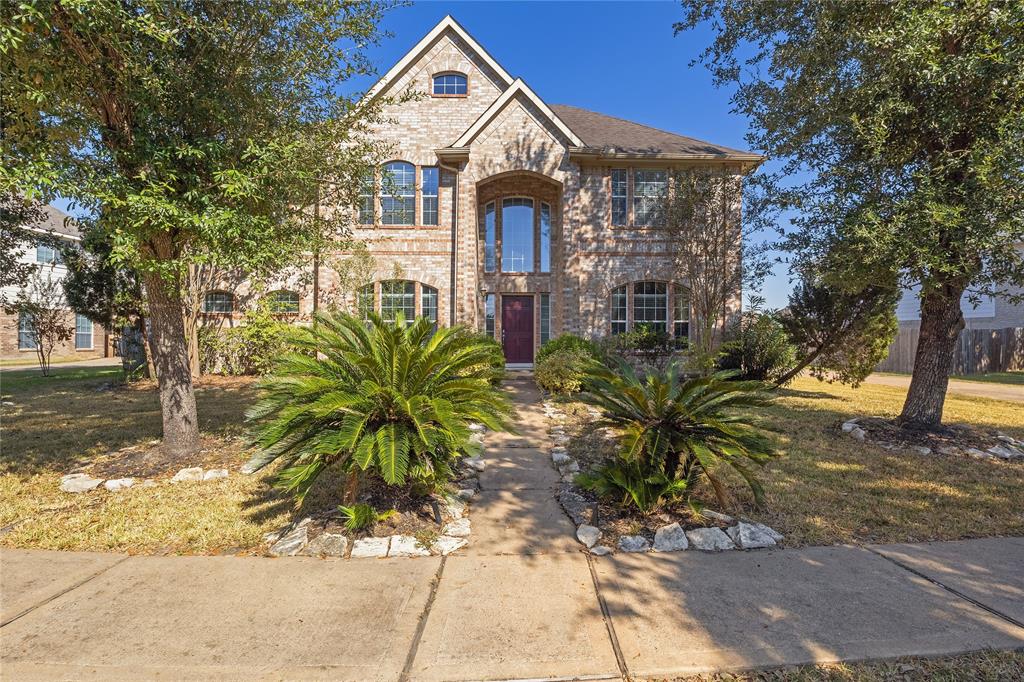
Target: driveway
(980,389)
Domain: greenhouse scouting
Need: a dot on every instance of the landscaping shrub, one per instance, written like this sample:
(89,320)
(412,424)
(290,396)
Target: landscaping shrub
(675,433)
(644,348)
(759,349)
(376,398)
(562,371)
(566,342)
(249,348)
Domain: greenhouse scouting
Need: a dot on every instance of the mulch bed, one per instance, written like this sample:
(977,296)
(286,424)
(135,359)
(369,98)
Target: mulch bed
(152,460)
(887,433)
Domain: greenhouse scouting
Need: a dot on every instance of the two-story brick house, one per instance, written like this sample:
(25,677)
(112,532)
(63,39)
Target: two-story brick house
(516,217)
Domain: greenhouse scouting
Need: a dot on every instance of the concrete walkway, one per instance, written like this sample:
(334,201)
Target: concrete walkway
(522,602)
(981,389)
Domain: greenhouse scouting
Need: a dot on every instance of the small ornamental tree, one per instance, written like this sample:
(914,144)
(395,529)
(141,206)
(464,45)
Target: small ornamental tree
(701,216)
(839,335)
(899,131)
(204,133)
(41,304)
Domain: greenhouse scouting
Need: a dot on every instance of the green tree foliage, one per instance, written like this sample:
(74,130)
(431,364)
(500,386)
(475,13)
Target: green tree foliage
(900,130)
(841,336)
(675,433)
(202,131)
(378,397)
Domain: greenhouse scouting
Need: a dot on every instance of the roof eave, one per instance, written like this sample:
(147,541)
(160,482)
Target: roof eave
(598,154)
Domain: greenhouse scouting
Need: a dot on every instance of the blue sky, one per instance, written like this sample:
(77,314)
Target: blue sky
(618,58)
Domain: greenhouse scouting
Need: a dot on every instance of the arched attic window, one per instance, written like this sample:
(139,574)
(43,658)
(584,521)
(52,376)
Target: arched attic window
(450,85)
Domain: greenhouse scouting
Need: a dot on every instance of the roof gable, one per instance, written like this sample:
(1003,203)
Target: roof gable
(518,87)
(448,24)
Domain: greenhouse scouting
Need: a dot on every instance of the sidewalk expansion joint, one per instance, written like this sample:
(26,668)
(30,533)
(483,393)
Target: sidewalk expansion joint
(63,592)
(606,613)
(410,658)
(951,590)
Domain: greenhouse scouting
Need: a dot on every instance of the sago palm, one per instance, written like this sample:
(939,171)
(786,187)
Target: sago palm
(376,396)
(675,431)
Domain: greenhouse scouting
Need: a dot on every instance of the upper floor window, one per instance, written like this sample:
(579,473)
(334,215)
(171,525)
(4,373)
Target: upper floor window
(517,235)
(286,302)
(429,185)
(48,255)
(83,332)
(218,302)
(366,201)
(620,199)
(450,84)
(398,194)
(648,190)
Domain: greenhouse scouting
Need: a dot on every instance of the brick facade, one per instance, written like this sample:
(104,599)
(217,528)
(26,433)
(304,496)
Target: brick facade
(66,350)
(521,150)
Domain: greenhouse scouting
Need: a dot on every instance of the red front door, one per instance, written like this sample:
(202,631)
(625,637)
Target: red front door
(517,328)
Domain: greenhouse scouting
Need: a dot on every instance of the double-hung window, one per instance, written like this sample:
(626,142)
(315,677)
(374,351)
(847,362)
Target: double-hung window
(398,297)
(48,255)
(648,191)
(620,311)
(83,332)
(398,194)
(366,201)
(218,302)
(26,332)
(428,190)
(428,303)
(680,313)
(620,197)
(650,305)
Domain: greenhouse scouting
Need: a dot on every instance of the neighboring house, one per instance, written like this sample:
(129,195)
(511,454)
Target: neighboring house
(89,340)
(518,218)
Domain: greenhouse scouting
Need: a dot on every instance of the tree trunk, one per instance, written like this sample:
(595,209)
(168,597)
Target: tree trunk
(801,366)
(941,323)
(170,356)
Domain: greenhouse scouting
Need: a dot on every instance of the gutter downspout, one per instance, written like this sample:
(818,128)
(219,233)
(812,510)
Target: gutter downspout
(455,242)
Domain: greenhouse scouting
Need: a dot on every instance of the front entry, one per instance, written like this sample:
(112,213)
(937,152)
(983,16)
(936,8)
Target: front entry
(517,328)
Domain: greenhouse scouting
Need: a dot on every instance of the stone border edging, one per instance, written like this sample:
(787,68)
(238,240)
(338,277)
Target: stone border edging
(745,534)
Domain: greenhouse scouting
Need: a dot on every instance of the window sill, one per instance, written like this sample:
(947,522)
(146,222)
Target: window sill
(441,96)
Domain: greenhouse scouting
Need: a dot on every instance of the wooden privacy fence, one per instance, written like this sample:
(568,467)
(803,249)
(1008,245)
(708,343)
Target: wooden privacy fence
(977,351)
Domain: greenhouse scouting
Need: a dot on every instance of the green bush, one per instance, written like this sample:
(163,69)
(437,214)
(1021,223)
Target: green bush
(675,433)
(378,398)
(563,370)
(566,342)
(759,350)
(249,348)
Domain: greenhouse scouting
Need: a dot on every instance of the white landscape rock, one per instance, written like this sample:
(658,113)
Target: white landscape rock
(858,433)
(455,506)
(465,494)
(716,516)
(1006,452)
(370,548)
(148,483)
(460,528)
(749,536)
(475,463)
(188,474)
(570,467)
(446,544)
(849,425)
(588,535)
(948,450)
(600,550)
(477,428)
(327,544)
(980,454)
(921,450)
(291,543)
(634,543)
(79,483)
(560,458)
(405,546)
(670,538)
(709,539)
(119,483)
(212,474)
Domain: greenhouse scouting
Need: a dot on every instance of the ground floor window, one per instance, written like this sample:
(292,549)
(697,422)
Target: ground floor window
(83,332)
(428,303)
(26,335)
(545,318)
(398,297)
(646,304)
(284,302)
(218,302)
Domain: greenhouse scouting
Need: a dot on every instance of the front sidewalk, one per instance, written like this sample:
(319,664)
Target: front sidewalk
(80,615)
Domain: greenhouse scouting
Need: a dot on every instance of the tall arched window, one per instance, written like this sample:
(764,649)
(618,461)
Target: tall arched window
(517,235)
(398,194)
(449,84)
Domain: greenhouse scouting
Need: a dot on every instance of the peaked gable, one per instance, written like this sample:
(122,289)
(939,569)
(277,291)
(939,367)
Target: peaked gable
(519,87)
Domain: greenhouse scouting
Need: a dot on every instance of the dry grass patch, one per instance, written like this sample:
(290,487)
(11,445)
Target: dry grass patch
(988,666)
(828,488)
(81,420)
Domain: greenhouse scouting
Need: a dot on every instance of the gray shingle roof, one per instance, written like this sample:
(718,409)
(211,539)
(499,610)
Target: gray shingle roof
(601,131)
(57,222)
